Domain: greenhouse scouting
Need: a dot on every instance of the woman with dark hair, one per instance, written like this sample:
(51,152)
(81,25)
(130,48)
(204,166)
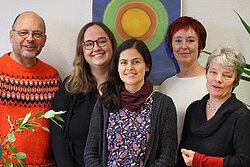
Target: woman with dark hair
(186,38)
(216,128)
(131,125)
(78,93)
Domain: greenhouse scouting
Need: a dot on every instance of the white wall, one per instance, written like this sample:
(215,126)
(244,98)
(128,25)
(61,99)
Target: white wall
(222,24)
(65,18)
(224,29)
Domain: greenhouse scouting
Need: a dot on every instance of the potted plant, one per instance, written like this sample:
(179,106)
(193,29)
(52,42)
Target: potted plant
(246,78)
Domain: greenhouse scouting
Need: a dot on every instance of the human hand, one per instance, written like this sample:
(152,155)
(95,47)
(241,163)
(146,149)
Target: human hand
(188,156)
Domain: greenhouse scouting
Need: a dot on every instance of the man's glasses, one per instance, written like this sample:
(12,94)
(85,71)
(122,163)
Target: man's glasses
(25,34)
(102,41)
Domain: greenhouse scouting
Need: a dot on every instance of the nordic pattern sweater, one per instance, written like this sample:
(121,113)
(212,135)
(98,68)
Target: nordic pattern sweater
(24,90)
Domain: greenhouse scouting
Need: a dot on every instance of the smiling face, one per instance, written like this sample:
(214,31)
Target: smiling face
(185,46)
(97,57)
(132,68)
(220,81)
(27,48)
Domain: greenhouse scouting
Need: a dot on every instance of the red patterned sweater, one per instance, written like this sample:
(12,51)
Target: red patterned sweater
(25,89)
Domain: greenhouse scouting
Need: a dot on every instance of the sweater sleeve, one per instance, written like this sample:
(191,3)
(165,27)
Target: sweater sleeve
(207,161)
(185,132)
(60,145)
(168,133)
(93,149)
(241,140)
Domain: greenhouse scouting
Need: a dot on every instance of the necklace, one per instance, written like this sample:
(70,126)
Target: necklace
(210,107)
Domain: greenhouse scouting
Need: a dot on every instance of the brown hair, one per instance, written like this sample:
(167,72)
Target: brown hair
(112,88)
(82,80)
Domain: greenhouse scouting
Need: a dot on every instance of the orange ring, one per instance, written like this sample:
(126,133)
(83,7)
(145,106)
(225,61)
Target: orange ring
(145,8)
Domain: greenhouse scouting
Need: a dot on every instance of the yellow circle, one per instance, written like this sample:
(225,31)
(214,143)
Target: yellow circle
(135,22)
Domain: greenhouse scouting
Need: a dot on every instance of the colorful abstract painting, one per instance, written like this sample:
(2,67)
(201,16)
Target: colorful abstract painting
(147,20)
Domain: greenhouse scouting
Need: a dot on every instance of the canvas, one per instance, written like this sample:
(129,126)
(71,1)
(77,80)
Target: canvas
(146,20)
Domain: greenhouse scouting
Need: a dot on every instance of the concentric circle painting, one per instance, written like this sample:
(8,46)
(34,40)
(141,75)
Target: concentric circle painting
(146,20)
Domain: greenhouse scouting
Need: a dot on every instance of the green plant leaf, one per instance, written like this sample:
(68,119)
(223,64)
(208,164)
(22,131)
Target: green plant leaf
(26,118)
(49,114)
(35,125)
(9,119)
(22,160)
(10,157)
(27,124)
(6,163)
(46,129)
(20,155)
(18,165)
(244,23)
(30,128)
(247,66)
(11,137)
(1,152)
(19,123)
(245,78)
(39,114)
(19,129)
(60,112)
(56,123)
(243,70)
(58,118)
(209,53)
(12,148)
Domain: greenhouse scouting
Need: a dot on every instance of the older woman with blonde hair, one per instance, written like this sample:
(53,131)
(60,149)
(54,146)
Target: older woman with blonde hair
(216,128)
(78,93)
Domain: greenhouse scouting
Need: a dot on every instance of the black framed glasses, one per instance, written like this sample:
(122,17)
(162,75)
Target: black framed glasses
(25,34)
(102,41)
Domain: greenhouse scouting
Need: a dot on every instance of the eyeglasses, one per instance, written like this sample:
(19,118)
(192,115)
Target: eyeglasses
(25,34)
(102,41)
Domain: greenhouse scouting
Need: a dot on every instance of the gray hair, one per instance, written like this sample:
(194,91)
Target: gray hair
(228,57)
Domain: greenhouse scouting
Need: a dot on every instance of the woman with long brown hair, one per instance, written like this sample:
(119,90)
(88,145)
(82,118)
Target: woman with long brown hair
(79,92)
(131,124)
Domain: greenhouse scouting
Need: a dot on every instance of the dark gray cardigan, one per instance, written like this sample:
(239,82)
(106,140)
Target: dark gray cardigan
(161,149)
